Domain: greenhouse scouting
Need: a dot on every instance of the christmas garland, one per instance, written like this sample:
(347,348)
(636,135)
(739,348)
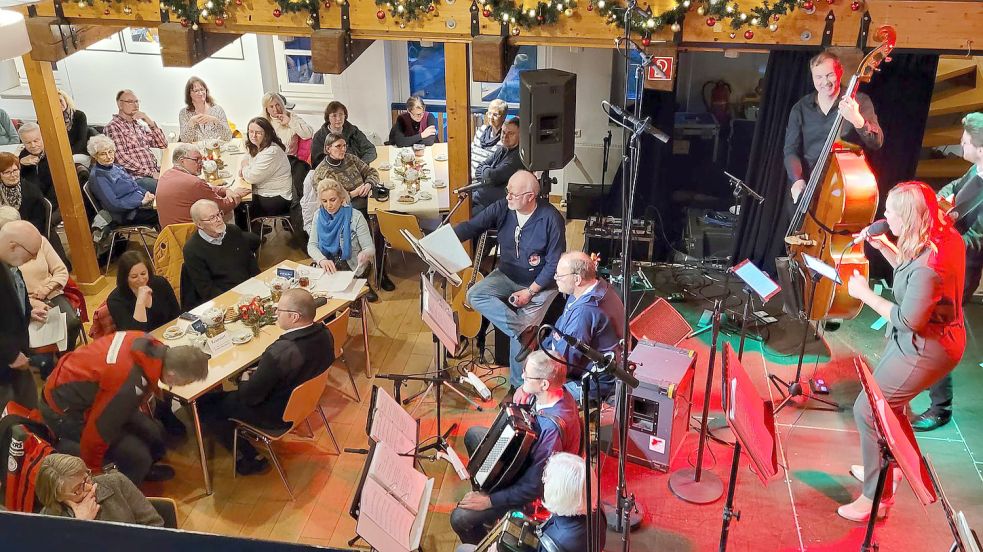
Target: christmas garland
(544,13)
(186,11)
(296,6)
(406,10)
(645,22)
(90,3)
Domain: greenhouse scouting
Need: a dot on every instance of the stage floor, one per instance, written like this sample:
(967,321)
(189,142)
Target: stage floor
(796,511)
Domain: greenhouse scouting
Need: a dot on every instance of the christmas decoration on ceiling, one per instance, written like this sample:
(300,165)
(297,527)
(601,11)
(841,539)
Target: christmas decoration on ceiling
(547,12)
(404,11)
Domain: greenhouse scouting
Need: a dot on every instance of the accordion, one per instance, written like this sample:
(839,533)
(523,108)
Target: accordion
(502,454)
(514,533)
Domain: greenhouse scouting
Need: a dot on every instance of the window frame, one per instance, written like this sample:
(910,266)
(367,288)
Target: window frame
(311,92)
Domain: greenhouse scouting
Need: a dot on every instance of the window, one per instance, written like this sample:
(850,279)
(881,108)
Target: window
(295,69)
(425,65)
(508,90)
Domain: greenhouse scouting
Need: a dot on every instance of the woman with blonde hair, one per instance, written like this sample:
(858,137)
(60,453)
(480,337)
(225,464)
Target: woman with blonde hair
(927,336)
(66,488)
(290,128)
(201,118)
(77,125)
(340,238)
(488,135)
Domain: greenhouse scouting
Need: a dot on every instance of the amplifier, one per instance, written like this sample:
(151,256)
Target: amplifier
(659,408)
(607,229)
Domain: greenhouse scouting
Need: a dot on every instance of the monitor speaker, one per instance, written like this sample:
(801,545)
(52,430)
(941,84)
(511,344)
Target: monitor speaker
(547,115)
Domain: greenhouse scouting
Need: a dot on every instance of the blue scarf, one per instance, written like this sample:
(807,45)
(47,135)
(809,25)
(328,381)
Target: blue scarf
(334,232)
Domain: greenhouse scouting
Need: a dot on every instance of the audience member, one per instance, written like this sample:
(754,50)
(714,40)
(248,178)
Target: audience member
(594,315)
(336,122)
(355,175)
(142,300)
(120,373)
(267,170)
(34,165)
(217,257)
(303,351)
(77,125)
(201,118)
(45,277)
(488,135)
(531,237)
(340,237)
(22,194)
(289,128)
(8,134)
(557,424)
(180,187)
(66,488)
(415,126)
(115,189)
(19,243)
(134,133)
(496,171)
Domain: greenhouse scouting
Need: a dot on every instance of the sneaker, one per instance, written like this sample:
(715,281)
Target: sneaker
(859,510)
(159,472)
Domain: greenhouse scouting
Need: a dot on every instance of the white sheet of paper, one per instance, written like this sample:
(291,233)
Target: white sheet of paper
(52,330)
(351,292)
(444,245)
(200,309)
(253,286)
(393,425)
(393,522)
(331,283)
(402,480)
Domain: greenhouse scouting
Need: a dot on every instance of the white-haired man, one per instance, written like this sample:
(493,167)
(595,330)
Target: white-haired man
(557,422)
(180,187)
(217,257)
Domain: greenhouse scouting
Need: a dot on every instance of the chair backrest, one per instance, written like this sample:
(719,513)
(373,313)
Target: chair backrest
(92,199)
(166,508)
(304,400)
(339,331)
(48,211)
(169,252)
(390,225)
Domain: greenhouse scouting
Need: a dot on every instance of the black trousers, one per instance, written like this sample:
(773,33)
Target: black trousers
(473,525)
(217,411)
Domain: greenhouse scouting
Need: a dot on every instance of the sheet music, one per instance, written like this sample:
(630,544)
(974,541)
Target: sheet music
(751,418)
(392,425)
(52,330)
(350,293)
(822,268)
(389,516)
(439,316)
(403,482)
(446,248)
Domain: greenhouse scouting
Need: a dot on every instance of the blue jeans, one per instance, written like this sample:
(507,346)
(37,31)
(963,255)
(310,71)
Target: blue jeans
(490,297)
(147,183)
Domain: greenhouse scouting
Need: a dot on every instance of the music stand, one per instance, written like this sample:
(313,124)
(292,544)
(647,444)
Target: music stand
(963,537)
(816,270)
(755,280)
(897,444)
(753,422)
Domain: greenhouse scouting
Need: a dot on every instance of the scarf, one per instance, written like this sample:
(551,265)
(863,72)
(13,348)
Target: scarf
(68,115)
(334,232)
(489,138)
(417,127)
(11,195)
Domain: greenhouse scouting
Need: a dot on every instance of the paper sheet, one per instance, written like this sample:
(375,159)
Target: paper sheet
(444,245)
(350,293)
(388,515)
(200,309)
(52,330)
(393,425)
(404,482)
(253,286)
(338,282)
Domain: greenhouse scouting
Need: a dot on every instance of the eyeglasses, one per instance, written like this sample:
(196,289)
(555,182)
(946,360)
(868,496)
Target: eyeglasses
(558,276)
(87,480)
(130,101)
(279,310)
(195,159)
(340,145)
(515,195)
(198,90)
(105,153)
(214,218)
(11,172)
(526,376)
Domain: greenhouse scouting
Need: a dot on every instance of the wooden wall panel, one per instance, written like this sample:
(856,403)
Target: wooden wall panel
(954,26)
(451,23)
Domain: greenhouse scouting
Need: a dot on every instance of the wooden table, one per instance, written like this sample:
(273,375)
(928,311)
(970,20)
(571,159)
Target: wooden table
(231,160)
(240,357)
(441,196)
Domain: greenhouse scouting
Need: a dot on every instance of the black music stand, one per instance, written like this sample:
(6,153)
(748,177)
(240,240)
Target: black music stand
(816,270)
(963,537)
(753,423)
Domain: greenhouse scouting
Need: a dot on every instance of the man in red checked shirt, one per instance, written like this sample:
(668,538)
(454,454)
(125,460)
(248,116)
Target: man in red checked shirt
(134,133)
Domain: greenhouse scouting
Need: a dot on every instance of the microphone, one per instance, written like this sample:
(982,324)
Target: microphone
(877,228)
(472,187)
(604,361)
(645,125)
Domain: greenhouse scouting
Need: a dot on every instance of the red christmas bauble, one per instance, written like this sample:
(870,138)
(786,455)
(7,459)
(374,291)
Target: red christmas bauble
(830,2)
(184,23)
(486,12)
(238,2)
(431,8)
(105,11)
(748,34)
(646,41)
(808,6)
(590,7)
(219,21)
(711,22)
(327,5)
(277,12)
(540,18)
(775,18)
(380,15)
(855,6)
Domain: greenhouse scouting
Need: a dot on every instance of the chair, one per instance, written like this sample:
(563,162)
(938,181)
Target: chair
(339,332)
(124,230)
(48,213)
(390,225)
(271,220)
(304,401)
(169,252)
(166,508)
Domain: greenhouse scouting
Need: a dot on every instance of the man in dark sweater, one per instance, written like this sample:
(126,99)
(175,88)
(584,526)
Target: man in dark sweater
(19,243)
(217,258)
(496,171)
(304,351)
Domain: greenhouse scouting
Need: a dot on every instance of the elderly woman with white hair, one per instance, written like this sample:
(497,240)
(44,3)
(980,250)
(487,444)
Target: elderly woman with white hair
(115,189)
(563,495)
(488,135)
(340,237)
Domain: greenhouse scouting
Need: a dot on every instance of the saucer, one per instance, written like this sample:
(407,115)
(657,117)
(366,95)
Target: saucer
(439,184)
(440,157)
(385,167)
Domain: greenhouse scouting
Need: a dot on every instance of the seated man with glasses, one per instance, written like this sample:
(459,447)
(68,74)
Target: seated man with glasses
(531,238)
(557,424)
(181,186)
(304,350)
(217,257)
(496,171)
(134,133)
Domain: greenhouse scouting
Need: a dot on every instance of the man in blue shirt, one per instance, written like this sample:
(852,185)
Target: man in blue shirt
(531,238)
(558,426)
(594,315)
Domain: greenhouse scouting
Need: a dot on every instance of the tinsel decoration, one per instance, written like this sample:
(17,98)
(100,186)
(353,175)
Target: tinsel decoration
(545,12)
(408,10)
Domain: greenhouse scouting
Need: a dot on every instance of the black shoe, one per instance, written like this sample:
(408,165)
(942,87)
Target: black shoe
(372,296)
(250,466)
(528,341)
(387,284)
(832,324)
(159,472)
(929,420)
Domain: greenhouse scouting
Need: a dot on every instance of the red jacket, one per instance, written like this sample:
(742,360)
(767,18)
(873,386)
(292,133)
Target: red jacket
(105,382)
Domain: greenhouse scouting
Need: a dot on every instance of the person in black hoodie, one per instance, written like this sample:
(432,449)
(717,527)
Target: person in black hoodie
(142,300)
(336,121)
(415,126)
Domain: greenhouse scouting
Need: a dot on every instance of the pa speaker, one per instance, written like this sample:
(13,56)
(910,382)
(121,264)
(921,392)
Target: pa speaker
(547,115)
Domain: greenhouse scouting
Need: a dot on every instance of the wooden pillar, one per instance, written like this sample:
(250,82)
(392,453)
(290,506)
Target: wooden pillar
(48,110)
(457,80)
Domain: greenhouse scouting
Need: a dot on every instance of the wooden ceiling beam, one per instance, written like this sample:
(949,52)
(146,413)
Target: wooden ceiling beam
(52,41)
(182,46)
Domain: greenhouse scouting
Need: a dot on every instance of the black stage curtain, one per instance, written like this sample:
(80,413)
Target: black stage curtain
(901,93)
(759,236)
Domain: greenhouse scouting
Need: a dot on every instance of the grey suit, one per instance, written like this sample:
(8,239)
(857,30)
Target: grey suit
(926,340)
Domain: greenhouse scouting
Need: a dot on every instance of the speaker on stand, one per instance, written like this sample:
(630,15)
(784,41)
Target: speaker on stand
(547,118)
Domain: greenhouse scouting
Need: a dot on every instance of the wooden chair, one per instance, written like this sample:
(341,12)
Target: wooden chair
(124,230)
(304,401)
(166,508)
(390,225)
(339,333)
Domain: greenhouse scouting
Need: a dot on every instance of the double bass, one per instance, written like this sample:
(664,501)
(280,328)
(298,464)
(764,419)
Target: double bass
(839,200)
